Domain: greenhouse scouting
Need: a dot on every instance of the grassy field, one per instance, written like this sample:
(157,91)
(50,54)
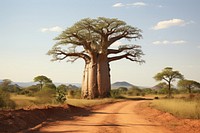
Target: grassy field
(89,103)
(27,101)
(22,100)
(179,107)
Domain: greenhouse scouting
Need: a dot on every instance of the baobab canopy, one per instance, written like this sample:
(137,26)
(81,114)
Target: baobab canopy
(90,39)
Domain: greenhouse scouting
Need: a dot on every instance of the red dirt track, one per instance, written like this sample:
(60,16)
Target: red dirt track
(122,117)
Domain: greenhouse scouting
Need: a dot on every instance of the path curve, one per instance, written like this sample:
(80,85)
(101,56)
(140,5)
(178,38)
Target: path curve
(115,118)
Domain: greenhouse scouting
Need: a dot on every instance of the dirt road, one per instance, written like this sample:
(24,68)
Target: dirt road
(114,118)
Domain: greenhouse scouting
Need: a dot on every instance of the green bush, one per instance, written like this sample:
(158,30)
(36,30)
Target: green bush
(75,93)
(135,92)
(5,101)
(29,91)
(115,93)
(60,97)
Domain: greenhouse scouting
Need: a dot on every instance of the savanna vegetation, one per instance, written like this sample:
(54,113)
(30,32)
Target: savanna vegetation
(91,40)
(184,100)
(42,93)
(181,107)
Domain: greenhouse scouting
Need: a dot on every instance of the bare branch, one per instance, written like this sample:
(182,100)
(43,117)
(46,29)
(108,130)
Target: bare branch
(128,56)
(122,49)
(61,55)
(127,32)
(117,57)
(131,52)
(96,35)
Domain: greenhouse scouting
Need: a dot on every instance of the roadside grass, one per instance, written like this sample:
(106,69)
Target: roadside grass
(23,101)
(179,107)
(90,103)
(29,101)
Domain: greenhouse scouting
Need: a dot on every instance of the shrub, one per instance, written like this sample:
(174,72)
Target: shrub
(75,93)
(122,90)
(115,93)
(60,97)
(5,101)
(134,92)
(29,91)
(45,96)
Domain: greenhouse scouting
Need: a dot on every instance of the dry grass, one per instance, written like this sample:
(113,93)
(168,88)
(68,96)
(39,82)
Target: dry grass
(179,107)
(27,101)
(22,100)
(90,103)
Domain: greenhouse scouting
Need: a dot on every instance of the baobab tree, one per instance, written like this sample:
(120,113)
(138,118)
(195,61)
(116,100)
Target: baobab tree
(91,40)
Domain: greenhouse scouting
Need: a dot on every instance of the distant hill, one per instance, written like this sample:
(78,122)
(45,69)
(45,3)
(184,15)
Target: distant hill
(121,84)
(26,84)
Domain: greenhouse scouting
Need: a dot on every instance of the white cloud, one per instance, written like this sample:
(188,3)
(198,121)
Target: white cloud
(169,42)
(118,5)
(136,4)
(169,23)
(44,30)
(198,46)
(179,42)
(52,29)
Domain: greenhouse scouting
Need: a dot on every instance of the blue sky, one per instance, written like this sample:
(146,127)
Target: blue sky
(171,30)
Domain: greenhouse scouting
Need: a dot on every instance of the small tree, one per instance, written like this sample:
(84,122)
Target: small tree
(5,84)
(188,84)
(60,96)
(5,101)
(42,80)
(161,88)
(62,87)
(168,75)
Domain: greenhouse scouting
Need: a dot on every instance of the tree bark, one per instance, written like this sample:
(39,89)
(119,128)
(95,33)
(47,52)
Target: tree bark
(85,81)
(96,77)
(169,89)
(89,83)
(103,76)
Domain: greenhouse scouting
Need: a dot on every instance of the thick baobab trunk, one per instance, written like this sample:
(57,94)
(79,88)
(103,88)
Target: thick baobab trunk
(89,83)
(84,87)
(103,76)
(96,78)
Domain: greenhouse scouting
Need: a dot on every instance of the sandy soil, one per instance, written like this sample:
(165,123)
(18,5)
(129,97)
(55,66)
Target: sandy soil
(115,118)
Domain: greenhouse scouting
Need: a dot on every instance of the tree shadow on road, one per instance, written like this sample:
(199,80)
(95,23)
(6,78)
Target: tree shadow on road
(70,113)
(139,98)
(135,98)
